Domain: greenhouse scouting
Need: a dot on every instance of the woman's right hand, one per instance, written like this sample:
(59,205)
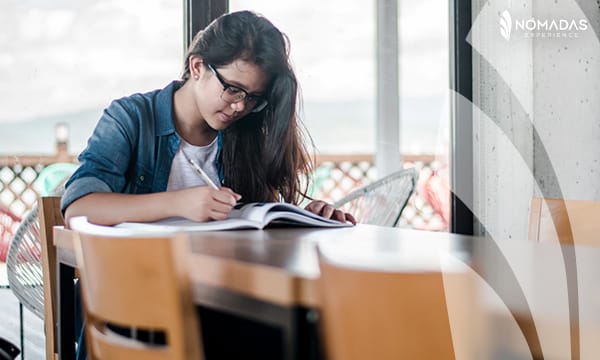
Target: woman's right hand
(203,203)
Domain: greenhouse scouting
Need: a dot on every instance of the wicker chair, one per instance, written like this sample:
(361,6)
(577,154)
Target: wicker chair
(31,263)
(381,202)
(24,259)
(24,268)
(24,265)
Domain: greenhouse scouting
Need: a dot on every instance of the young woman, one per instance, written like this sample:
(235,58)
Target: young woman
(233,113)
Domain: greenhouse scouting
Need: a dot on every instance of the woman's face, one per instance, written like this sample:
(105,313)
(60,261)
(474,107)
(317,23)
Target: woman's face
(216,107)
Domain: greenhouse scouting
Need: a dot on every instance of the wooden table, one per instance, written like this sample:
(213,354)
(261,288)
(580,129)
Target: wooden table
(271,276)
(265,275)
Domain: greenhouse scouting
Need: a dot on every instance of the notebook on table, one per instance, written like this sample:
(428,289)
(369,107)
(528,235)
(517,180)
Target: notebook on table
(256,215)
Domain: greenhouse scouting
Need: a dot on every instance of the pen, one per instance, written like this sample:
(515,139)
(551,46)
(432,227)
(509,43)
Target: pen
(201,172)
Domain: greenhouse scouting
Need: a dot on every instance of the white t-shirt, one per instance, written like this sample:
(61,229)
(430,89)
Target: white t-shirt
(183,175)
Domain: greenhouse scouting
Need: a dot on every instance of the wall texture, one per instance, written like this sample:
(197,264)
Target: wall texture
(536,110)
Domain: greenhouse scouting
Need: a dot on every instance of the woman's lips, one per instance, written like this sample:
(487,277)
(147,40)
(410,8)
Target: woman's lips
(225,117)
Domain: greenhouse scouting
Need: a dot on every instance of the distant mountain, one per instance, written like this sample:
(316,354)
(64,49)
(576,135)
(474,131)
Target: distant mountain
(336,127)
(37,135)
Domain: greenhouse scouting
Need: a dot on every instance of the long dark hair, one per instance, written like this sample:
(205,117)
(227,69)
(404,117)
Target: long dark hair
(263,154)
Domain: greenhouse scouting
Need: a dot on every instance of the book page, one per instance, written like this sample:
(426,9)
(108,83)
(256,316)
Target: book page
(243,216)
(182,224)
(256,211)
(267,213)
(80,223)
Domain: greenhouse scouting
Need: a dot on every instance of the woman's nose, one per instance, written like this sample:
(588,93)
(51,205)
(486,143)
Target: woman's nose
(239,106)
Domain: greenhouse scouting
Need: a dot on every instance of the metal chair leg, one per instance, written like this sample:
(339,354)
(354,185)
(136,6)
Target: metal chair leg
(21,331)
(8,351)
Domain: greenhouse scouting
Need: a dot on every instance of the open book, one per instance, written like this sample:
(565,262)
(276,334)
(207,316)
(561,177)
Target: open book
(244,216)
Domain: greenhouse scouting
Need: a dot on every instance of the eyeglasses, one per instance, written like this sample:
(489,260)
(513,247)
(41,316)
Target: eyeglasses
(233,94)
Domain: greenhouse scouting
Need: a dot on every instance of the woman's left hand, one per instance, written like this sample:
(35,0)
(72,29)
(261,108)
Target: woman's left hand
(327,211)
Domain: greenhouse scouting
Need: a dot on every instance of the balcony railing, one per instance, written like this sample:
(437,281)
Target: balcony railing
(336,176)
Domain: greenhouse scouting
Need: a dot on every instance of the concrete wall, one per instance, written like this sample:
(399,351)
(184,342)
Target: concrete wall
(567,104)
(536,111)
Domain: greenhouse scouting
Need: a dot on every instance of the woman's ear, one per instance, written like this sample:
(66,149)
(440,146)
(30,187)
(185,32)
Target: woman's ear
(196,66)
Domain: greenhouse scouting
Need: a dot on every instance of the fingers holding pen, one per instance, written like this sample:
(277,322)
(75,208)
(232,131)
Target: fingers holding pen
(203,203)
(226,196)
(223,200)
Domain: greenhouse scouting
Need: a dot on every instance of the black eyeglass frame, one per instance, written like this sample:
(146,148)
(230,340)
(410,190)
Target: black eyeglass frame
(260,102)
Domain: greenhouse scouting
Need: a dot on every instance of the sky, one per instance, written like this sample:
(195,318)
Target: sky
(63,55)
(73,55)
(333,44)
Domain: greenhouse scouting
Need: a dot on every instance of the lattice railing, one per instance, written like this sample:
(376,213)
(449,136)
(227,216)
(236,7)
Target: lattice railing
(19,185)
(335,177)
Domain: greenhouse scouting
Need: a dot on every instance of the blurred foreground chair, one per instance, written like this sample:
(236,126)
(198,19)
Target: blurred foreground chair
(386,304)
(382,202)
(31,265)
(139,282)
(49,216)
(564,221)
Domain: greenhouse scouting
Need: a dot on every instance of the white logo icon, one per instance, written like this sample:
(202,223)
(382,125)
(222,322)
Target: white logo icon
(505,25)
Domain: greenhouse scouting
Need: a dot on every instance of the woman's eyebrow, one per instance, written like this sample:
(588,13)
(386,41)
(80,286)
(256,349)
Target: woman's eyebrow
(241,86)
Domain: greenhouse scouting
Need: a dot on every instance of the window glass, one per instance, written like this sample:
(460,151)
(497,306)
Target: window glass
(332,49)
(424,76)
(64,61)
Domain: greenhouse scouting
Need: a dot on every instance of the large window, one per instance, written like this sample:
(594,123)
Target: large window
(64,61)
(424,76)
(332,48)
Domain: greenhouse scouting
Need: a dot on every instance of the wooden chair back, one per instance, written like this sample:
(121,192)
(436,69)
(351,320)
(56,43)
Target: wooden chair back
(564,221)
(137,282)
(49,216)
(368,314)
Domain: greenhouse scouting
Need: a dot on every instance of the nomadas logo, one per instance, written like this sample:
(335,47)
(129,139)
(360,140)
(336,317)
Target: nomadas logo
(541,28)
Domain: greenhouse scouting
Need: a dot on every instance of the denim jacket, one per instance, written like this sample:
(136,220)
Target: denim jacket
(131,148)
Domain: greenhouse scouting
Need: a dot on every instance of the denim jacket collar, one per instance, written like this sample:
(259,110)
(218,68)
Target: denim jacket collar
(165,124)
